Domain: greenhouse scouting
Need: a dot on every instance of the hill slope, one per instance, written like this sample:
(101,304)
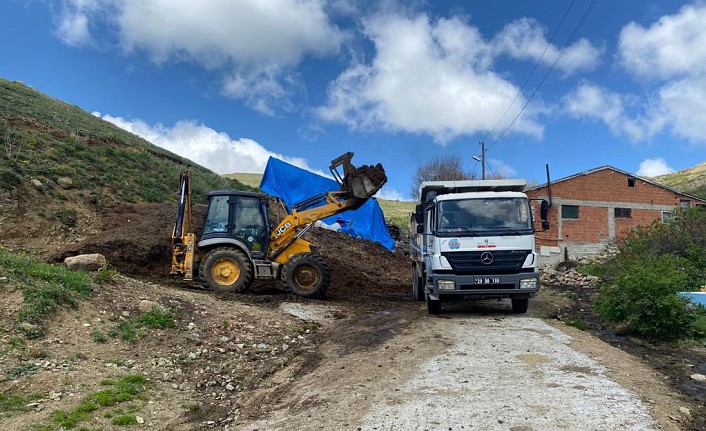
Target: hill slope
(60,164)
(691,180)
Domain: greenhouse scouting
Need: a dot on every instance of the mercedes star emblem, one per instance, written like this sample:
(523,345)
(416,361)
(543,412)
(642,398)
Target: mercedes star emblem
(486,258)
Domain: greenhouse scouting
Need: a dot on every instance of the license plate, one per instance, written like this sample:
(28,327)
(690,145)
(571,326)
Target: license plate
(485,280)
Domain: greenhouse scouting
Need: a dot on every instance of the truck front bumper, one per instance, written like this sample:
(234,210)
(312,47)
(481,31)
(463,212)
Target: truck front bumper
(480,286)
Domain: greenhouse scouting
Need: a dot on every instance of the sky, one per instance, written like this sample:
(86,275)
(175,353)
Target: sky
(228,83)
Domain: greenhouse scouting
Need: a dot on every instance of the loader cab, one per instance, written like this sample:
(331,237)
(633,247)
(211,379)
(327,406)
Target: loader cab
(238,218)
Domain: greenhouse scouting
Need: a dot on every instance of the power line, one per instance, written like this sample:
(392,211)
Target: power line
(534,68)
(558,57)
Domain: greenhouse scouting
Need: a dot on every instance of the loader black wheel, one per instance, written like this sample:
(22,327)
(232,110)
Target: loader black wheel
(307,274)
(226,270)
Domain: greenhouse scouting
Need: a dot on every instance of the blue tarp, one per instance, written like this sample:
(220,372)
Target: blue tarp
(293,185)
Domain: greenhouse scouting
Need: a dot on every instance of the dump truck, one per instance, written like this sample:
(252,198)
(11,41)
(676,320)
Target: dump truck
(474,240)
(238,245)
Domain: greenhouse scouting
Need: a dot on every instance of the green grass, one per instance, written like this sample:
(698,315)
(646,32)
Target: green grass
(125,389)
(577,323)
(105,276)
(157,318)
(691,180)
(98,336)
(15,403)
(44,287)
(52,139)
(125,420)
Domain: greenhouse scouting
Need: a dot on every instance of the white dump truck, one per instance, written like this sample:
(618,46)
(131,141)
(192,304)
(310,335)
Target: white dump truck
(474,240)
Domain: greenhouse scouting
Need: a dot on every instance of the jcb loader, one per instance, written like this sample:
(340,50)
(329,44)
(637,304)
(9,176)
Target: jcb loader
(237,245)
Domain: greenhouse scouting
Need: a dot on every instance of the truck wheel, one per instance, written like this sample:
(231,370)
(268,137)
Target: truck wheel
(433,306)
(520,305)
(417,285)
(307,274)
(226,270)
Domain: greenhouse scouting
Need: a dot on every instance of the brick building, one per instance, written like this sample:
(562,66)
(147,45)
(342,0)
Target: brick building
(595,207)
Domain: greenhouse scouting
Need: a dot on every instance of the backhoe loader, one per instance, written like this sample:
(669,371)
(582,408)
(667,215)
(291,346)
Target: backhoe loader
(237,245)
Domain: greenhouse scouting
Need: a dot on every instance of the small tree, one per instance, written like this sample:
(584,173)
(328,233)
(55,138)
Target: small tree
(440,168)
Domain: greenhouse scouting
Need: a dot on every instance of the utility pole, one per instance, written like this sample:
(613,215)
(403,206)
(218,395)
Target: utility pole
(482,157)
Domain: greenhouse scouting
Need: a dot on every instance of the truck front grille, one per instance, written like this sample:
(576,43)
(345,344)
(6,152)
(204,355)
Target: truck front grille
(503,261)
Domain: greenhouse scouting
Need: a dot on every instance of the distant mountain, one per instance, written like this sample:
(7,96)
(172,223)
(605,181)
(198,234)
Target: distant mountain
(691,180)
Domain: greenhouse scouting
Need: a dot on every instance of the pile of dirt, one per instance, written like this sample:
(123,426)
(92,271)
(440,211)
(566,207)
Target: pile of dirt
(135,239)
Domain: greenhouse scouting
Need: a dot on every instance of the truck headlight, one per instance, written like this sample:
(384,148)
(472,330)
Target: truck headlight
(528,283)
(446,285)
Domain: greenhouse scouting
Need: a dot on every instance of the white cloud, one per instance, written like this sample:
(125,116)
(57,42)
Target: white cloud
(684,103)
(673,46)
(215,150)
(246,39)
(389,194)
(654,167)
(502,168)
(430,78)
(590,101)
(525,39)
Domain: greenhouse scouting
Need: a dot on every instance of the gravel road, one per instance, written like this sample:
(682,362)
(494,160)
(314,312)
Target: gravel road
(456,372)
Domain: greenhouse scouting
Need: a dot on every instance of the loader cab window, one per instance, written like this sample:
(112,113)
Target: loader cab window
(217,217)
(249,224)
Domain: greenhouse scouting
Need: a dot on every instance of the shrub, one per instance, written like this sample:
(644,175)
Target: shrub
(643,294)
(67,216)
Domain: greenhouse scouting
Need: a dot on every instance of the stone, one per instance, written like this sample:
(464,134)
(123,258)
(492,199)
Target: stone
(698,377)
(86,262)
(146,306)
(36,183)
(685,411)
(230,387)
(140,419)
(65,183)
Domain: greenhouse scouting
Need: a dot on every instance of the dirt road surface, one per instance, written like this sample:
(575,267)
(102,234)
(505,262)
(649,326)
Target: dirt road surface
(467,370)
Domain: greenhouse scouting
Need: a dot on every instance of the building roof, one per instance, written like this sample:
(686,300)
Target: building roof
(645,179)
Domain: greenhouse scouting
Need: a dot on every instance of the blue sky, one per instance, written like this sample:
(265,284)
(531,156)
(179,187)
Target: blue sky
(227,83)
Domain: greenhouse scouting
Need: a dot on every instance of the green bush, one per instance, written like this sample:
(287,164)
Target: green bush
(653,263)
(67,216)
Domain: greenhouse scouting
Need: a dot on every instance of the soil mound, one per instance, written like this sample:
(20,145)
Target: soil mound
(136,240)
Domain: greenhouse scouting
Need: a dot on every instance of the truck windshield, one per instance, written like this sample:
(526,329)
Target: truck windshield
(496,216)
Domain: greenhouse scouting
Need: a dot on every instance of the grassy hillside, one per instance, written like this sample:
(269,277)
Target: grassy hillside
(45,139)
(691,180)
(396,212)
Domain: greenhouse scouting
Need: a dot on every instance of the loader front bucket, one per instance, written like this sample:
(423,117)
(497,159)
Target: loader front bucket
(362,182)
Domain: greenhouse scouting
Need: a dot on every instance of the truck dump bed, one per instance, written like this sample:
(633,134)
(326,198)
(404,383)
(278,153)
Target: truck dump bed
(444,187)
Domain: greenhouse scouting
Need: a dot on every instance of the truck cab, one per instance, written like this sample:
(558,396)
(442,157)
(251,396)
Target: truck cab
(474,240)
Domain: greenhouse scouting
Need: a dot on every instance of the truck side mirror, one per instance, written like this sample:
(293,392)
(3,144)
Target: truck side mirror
(544,214)
(419,214)
(420,228)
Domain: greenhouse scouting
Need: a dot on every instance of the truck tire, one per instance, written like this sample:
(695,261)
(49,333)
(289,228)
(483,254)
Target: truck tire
(433,306)
(226,269)
(520,306)
(417,285)
(307,275)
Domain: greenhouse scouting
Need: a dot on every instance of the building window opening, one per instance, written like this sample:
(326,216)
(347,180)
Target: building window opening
(684,203)
(570,212)
(667,216)
(622,212)
(631,181)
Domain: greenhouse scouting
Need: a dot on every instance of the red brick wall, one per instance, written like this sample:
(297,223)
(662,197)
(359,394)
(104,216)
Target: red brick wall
(605,185)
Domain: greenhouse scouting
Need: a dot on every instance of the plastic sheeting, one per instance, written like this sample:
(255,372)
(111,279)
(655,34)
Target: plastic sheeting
(293,185)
